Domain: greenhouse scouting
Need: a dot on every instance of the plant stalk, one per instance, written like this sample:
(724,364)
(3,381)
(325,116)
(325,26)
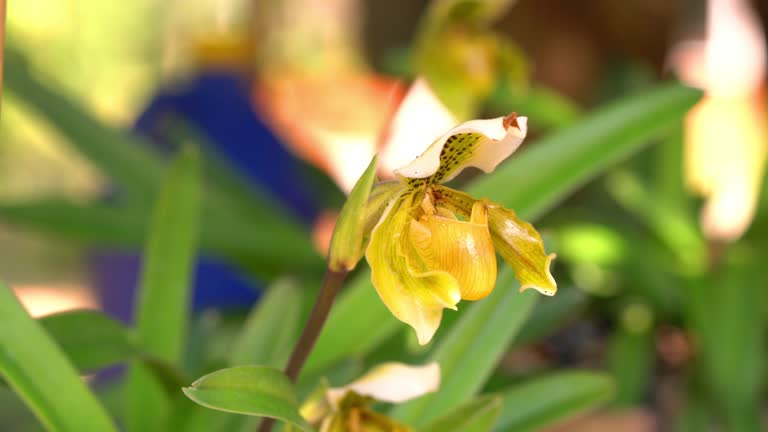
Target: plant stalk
(328,290)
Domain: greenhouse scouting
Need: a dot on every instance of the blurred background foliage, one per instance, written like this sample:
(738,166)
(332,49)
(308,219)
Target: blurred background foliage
(270,110)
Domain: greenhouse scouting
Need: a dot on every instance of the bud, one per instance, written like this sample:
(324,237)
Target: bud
(358,216)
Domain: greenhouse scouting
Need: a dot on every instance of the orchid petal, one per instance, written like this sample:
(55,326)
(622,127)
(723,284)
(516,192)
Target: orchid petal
(415,295)
(392,382)
(463,249)
(515,240)
(479,143)
(521,246)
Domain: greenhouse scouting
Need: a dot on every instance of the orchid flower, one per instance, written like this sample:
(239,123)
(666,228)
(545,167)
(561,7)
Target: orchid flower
(431,246)
(347,408)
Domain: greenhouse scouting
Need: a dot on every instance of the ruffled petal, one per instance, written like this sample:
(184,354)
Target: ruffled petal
(414,297)
(463,249)
(479,143)
(521,246)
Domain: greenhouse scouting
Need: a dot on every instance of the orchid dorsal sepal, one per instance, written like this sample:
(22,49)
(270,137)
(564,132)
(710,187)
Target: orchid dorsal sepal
(481,144)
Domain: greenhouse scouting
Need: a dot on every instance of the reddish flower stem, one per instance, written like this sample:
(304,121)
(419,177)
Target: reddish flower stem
(330,288)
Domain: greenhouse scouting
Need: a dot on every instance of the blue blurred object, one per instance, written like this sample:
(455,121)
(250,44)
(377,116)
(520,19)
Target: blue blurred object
(216,104)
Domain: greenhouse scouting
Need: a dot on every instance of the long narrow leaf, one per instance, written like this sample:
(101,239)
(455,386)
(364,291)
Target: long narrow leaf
(478,415)
(272,329)
(556,165)
(163,297)
(168,260)
(550,314)
(469,352)
(726,312)
(548,400)
(39,372)
(98,225)
(90,339)
(630,360)
(265,252)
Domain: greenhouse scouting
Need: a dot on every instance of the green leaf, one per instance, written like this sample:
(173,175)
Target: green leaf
(264,252)
(148,406)
(347,241)
(470,351)
(252,390)
(89,224)
(672,224)
(90,339)
(169,257)
(164,289)
(550,314)
(554,166)
(630,359)
(563,161)
(551,399)
(38,371)
(669,185)
(728,320)
(272,328)
(478,415)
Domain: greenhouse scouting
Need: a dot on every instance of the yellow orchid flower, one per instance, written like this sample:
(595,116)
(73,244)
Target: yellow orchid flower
(434,246)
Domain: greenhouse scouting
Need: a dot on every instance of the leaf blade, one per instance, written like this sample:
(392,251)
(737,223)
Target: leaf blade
(477,415)
(37,370)
(271,329)
(547,400)
(469,352)
(250,390)
(575,154)
(90,339)
(164,289)
(166,276)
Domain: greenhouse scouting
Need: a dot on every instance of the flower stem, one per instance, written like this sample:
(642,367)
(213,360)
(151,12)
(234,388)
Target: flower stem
(331,283)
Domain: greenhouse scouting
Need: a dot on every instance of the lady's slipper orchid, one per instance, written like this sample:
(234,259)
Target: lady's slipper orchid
(434,246)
